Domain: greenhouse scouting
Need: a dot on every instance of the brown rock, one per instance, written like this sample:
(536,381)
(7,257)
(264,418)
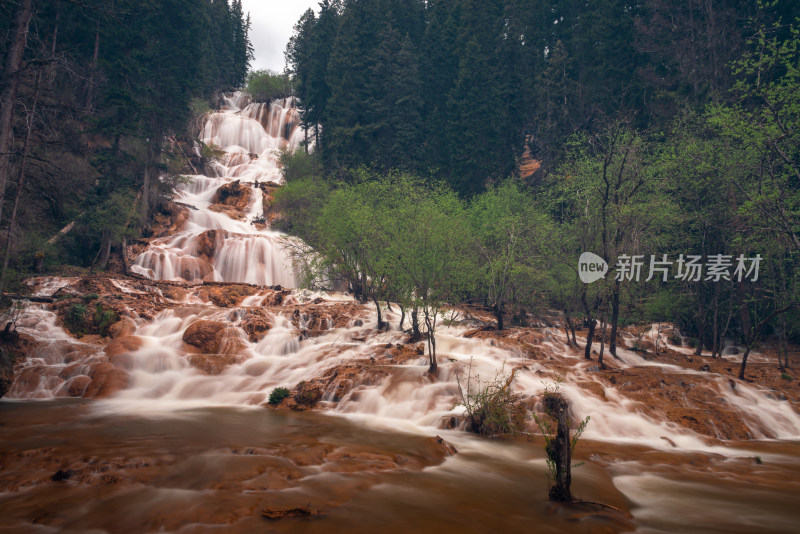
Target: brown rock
(213,337)
(228,295)
(256,323)
(205,335)
(106,380)
(122,328)
(233,199)
(122,345)
(212,364)
(76,386)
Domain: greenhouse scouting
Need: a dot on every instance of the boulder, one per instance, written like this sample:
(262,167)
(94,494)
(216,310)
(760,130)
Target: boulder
(106,380)
(212,364)
(76,386)
(206,336)
(121,345)
(122,328)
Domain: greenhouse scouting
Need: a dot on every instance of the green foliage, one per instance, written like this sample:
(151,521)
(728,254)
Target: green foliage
(81,319)
(266,86)
(299,164)
(277,395)
(786,377)
(103,319)
(492,409)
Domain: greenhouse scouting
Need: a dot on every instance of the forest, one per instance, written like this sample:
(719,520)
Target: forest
(471,151)
(481,147)
(94,96)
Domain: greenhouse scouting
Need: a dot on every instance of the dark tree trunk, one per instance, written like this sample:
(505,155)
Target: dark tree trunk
(416,335)
(559,450)
(104,254)
(591,323)
(498,314)
(381,324)
(9,83)
(612,342)
(602,341)
(567,325)
(701,321)
(20,184)
(744,362)
(123,250)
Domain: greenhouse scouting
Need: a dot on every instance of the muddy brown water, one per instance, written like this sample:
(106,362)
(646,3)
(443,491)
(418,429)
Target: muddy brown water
(218,469)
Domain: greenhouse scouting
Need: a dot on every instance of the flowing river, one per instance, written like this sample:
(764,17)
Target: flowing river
(185,444)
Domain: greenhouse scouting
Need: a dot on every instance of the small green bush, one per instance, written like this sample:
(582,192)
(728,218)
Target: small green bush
(265,86)
(103,319)
(786,377)
(493,408)
(75,319)
(277,395)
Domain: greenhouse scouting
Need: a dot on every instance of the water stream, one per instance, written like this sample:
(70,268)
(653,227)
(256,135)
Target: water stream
(174,441)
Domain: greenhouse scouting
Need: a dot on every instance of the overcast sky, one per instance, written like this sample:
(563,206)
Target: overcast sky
(271,26)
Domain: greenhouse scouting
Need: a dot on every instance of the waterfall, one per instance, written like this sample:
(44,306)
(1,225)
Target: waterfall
(212,245)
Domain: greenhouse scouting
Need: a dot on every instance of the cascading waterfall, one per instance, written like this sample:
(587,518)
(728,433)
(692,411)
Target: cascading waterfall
(237,251)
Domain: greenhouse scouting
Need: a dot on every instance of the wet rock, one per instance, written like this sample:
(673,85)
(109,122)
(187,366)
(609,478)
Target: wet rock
(122,345)
(62,474)
(106,380)
(122,328)
(288,513)
(206,336)
(226,296)
(705,367)
(256,323)
(232,199)
(307,394)
(212,364)
(76,386)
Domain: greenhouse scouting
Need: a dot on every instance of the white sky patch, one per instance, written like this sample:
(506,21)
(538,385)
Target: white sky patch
(271,27)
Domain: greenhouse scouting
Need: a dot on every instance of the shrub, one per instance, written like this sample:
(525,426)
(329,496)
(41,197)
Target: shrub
(265,86)
(277,395)
(786,377)
(103,319)
(75,319)
(492,409)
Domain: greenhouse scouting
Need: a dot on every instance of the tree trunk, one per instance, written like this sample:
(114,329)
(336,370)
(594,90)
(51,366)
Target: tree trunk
(381,324)
(20,184)
(559,450)
(430,325)
(715,323)
(612,342)
(90,89)
(147,183)
(744,362)
(701,321)
(402,316)
(566,329)
(416,335)
(104,253)
(590,322)
(498,314)
(123,250)
(9,83)
(604,324)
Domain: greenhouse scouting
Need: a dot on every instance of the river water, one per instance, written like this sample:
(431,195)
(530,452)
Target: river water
(182,450)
